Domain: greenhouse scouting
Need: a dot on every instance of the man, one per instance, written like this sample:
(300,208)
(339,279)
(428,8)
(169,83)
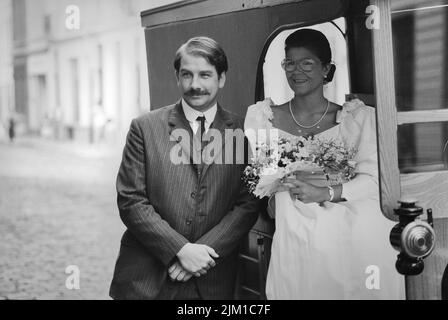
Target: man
(12,129)
(184,220)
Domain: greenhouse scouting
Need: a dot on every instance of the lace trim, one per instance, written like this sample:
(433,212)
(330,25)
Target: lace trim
(350,107)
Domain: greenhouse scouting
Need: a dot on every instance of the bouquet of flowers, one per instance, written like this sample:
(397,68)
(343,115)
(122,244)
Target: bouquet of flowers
(274,162)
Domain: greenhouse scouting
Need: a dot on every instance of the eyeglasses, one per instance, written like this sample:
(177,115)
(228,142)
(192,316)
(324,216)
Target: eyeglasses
(305,65)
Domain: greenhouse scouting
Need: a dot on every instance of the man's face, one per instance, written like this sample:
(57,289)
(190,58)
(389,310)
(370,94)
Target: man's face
(199,82)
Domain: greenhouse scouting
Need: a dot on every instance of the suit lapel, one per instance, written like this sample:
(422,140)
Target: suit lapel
(221,122)
(177,120)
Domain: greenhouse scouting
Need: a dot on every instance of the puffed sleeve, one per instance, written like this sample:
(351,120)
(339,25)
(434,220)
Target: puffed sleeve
(359,127)
(258,121)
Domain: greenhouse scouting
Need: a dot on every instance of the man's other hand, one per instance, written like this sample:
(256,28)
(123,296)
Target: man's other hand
(197,258)
(178,273)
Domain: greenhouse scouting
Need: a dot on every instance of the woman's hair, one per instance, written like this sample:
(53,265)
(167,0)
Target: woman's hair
(206,48)
(316,42)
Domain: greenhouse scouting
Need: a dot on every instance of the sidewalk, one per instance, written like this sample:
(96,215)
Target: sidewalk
(57,209)
(80,149)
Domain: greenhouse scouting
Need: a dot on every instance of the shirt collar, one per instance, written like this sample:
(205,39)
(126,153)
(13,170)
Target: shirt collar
(192,114)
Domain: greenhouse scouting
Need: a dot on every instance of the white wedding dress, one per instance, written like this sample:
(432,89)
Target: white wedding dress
(339,250)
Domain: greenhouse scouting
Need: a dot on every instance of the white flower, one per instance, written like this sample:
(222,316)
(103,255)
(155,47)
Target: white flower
(269,171)
(288,147)
(352,163)
(303,153)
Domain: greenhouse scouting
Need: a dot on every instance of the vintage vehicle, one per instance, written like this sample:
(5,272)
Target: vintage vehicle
(391,54)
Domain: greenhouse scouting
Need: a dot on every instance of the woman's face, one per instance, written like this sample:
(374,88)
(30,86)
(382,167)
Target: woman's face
(305,72)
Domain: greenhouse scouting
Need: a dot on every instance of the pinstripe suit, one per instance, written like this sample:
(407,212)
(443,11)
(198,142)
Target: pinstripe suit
(164,206)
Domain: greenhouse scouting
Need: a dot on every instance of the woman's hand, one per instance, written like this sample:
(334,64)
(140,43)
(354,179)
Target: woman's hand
(306,192)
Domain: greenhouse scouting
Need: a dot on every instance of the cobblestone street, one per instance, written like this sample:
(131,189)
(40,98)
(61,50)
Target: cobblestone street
(57,208)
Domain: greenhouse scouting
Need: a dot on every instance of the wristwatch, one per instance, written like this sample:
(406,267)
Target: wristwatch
(331,192)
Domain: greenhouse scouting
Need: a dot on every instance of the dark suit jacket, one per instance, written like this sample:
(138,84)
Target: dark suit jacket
(164,206)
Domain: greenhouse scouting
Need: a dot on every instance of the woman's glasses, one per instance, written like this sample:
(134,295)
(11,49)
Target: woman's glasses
(306,65)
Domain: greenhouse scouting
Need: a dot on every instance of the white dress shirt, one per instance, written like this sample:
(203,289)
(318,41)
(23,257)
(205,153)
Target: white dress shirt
(192,114)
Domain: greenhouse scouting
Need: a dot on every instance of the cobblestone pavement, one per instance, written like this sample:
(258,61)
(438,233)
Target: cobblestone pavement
(57,208)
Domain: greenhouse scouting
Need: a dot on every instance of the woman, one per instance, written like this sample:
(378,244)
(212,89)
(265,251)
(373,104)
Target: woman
(330,242)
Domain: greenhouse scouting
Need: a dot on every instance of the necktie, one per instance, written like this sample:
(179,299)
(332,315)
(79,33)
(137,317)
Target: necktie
(199,137)
(201,131)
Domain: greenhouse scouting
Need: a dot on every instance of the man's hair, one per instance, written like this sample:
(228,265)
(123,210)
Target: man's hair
(206,48)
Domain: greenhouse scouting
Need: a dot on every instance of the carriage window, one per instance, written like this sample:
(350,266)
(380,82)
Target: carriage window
(423,147)
(275,84)
(420,43)
(420,37)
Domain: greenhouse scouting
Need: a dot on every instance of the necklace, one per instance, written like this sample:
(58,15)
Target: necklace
(312,126)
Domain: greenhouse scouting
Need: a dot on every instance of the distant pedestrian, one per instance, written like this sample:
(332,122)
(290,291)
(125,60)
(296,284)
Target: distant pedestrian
(12,129)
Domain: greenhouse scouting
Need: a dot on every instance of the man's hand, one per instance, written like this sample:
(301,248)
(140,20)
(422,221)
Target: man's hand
(197,258)
(178,273)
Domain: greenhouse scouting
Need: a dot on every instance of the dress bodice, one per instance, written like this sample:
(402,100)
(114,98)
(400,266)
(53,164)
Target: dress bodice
(349,120)
(355,128)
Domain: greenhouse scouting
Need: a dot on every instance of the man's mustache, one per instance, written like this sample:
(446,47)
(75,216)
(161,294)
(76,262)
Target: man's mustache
(193,92)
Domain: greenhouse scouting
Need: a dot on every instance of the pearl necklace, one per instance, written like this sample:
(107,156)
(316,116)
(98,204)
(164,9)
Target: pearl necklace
(312,126)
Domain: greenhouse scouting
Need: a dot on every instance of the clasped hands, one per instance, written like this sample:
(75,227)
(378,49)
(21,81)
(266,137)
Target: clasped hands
(192,260)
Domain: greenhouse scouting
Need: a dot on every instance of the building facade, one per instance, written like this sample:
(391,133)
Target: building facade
(6,68)
(79,66)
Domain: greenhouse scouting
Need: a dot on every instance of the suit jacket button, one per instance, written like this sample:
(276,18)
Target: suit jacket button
(188,222)
(193,195)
